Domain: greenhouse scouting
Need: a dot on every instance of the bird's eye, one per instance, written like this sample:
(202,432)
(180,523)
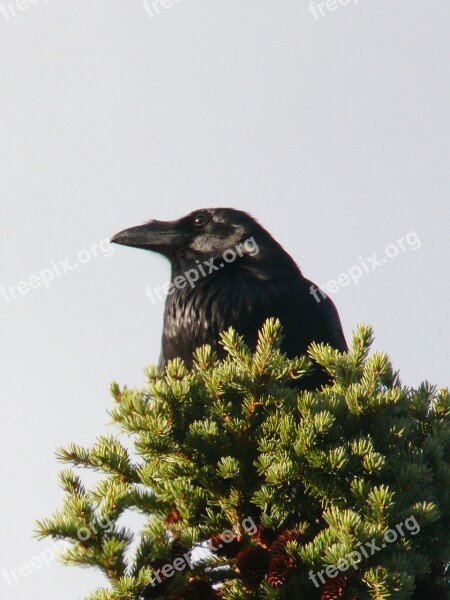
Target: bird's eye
(200,220)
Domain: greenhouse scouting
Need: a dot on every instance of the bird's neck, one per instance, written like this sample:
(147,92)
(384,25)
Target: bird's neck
(268,264)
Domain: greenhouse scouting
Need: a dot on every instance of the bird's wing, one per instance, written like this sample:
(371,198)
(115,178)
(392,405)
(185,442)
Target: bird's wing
(331,317)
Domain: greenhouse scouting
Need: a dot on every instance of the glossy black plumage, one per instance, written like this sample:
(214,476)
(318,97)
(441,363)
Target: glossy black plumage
(262,281)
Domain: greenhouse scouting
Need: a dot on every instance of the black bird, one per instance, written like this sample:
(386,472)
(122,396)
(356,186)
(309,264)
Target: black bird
(228,270)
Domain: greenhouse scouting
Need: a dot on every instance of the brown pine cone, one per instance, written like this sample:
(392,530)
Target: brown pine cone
(173,517)
(252,563)
(278,548)
(289,535)
(280,569)
(334,589)
(282,564)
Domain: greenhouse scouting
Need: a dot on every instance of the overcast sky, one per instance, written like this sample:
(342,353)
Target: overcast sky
(329,122)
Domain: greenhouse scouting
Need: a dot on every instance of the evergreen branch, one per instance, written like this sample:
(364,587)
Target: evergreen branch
(278,483)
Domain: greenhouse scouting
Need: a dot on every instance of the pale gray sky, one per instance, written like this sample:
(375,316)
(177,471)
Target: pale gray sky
(330,126)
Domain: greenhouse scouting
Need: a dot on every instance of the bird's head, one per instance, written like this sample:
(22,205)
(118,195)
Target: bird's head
(223,234)
(205,233)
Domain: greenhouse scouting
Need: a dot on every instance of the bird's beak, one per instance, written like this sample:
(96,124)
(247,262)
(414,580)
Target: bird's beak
(156,235)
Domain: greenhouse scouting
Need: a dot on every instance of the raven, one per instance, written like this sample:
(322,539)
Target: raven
(227,270)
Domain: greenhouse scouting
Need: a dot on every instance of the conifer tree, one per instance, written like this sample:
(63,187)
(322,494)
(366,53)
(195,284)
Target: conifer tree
(338,493)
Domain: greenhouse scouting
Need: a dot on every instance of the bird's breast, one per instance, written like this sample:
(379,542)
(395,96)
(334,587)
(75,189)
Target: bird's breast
(197,316)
